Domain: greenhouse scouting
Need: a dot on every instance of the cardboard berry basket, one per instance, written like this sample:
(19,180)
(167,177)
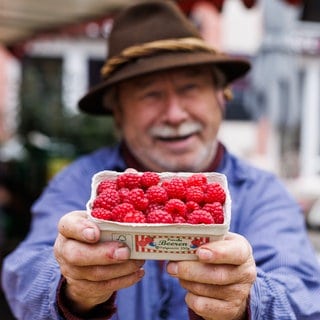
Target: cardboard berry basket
(159,241)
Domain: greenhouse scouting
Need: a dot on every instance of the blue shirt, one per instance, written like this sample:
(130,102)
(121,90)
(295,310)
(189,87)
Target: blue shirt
(288,273)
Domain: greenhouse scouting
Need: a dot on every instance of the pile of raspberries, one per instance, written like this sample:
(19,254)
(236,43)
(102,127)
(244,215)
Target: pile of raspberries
(144,198)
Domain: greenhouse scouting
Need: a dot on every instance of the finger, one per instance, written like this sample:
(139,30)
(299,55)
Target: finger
(207,273)
(226,292)
(213,309)
(77,253)
(233,249)
(94,289)
(102,272)
(75,225)
(204,273)
(131,170)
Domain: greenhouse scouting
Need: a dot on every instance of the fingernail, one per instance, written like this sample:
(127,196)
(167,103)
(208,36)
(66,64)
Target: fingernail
(122,253)
(172,268)
(204,254)
(89,234)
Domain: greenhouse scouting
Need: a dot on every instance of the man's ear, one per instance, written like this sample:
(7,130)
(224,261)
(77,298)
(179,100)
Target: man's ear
(228,94)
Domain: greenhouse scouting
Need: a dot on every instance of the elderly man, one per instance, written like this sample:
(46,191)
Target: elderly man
(166,90)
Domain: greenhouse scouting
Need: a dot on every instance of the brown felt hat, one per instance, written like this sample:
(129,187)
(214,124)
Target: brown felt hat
(154,36)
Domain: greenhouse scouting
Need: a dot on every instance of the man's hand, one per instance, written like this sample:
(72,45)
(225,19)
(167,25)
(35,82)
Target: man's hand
(219,283)
(93,269)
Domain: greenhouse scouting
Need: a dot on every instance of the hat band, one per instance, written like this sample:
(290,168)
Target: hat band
(151,48)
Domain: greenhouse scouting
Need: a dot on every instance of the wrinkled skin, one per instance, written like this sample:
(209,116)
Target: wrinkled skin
(218,284)
(93,270)
(170,121)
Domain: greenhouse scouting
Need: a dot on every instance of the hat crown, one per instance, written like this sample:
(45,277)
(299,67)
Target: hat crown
(147,22)
(154,36)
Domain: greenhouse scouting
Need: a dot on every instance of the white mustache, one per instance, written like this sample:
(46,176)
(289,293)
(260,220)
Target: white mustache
(185,129)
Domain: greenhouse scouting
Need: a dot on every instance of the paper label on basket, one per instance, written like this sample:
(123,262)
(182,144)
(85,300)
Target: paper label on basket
(162,243)
(169,244)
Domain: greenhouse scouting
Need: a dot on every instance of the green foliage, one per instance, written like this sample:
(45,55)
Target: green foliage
(42,109)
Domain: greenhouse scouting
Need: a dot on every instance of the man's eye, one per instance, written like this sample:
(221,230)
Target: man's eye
(189,87)
(152,94)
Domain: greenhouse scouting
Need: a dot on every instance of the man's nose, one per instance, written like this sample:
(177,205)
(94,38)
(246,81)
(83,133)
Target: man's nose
(175,111)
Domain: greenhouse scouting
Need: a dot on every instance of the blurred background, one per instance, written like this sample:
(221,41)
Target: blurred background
(51,53)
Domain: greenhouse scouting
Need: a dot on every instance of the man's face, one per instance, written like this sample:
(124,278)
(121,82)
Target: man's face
(170,119)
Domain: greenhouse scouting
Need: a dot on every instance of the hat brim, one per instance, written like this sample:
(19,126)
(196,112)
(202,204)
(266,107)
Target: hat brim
(232,68)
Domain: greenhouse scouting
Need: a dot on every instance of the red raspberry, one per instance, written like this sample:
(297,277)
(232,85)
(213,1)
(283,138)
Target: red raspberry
(138,199)
(157,194)
(123,194)
(197,179)
(121,210)
(176,188)
(154,206)
(179,219)
(200,216)
(106,184)
(128,180)
(149,179)
(135,216)
(216,210)
(195,193)
(101,213)
(214,193)
(108,199)
(191,206)
(176,207)
(159,216)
